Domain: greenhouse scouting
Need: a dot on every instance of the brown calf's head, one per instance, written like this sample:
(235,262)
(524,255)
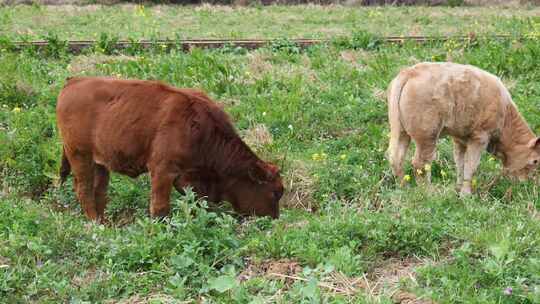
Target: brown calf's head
(258,192)
(524,161)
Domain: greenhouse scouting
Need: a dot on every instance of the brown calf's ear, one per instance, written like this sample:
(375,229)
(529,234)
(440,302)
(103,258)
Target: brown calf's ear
(534,143)
(261,172)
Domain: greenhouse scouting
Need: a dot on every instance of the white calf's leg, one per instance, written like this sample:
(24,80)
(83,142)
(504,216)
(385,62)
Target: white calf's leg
(424,155)
(459,159)
(472,160)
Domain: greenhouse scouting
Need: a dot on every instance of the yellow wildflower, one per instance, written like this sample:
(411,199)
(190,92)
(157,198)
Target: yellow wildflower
(16,110)
(343,156)
(407,177)
(419,171)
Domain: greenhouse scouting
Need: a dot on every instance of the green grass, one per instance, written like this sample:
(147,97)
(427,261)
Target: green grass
(324,110)
(88,22)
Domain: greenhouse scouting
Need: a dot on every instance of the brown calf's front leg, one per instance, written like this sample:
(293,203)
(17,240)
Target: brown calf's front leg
(472,160)
(162,183)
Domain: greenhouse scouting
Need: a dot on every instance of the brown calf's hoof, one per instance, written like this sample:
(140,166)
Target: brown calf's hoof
(104,221)
(159,213)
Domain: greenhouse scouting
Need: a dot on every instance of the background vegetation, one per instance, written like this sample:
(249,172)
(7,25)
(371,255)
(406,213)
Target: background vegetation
(136,21)
(347,234)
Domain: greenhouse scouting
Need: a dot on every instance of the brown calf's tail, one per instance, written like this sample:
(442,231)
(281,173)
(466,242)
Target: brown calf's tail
(65,169)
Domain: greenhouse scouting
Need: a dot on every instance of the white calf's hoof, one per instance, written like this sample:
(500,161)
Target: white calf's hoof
(465,192)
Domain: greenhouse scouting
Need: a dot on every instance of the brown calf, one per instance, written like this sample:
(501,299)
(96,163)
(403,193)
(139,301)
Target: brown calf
(178,135)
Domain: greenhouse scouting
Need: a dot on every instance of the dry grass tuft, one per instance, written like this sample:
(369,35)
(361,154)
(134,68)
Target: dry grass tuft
(4,262)
(299,187)
(354,58)
(152,298)
(258,64)
(387,275)
(409,298)
(379,94)
(383,280)
(207,7)
(505,3)
(83,64)
(290,271)
(257,137)
(229,102)
(268,267)
(509,83)
(533,212)
(24,88)
(87,277)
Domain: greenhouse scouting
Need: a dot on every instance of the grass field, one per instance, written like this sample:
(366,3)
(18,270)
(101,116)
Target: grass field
(130,21)
(347,233)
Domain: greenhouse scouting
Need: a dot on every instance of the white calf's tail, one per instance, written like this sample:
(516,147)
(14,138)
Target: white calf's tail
(394,96)
(399,140)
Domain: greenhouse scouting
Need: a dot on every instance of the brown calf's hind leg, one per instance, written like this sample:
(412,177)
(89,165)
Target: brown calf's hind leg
(162,183)
(472,160)
(101,183)
(423,156)
(83,171)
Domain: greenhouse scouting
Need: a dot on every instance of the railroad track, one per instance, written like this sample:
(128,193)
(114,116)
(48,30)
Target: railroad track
(76,46)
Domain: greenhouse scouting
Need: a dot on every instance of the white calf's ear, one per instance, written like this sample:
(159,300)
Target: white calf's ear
(534,143)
